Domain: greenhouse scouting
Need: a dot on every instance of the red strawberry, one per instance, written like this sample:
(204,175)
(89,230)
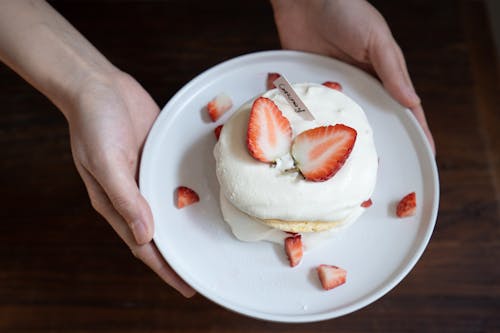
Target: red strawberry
(186,196)
(293,249)
(269,133)
(333,85)
(407,206)
(331,276)
(320,152)
(367,203)
(217,131)
(219,105)
(271,77)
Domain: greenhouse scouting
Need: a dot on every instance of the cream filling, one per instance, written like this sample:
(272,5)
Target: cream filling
(249,229)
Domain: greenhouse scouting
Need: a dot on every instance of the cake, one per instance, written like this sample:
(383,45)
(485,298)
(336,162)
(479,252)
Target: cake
(268,200)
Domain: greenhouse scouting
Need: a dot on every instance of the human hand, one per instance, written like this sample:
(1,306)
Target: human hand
(352,31)
(109,121)
(108,112)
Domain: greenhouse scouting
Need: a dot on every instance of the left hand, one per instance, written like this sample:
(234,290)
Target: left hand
(355,32)
(109,121)
(108,112)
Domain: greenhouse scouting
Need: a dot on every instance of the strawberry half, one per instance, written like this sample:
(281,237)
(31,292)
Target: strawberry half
(217,131)
(333,85)
(367,203)
(331,276)
(320,152)
(293,249)
(219,105)
(186,196)
(407,206)
(269,134)
(271,77)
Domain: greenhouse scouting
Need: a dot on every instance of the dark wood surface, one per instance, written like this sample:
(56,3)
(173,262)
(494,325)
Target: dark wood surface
(62,268)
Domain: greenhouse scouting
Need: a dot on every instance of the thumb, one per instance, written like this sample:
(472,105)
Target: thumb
(117,180)
(389,64)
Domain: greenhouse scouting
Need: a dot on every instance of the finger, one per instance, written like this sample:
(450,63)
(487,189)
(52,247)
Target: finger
(341,55)
(116,176)
(150,255)
(390,66)
(420,115)
(147,253)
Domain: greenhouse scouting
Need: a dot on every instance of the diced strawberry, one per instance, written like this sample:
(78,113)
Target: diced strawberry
(217,131)
(331,276)
(219,105)
(271,77)
(320,152)
(269,133)
(407,206)
(333,85)
(367,203)
(293,249)
(186,196)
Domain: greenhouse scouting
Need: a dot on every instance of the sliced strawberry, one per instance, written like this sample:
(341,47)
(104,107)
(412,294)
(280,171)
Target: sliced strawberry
(320,152)
(271,77)
(293,249)
(269,133)
(186,196)
(367,203)
(407,206)
(333,85)
(217,131)
(331,276)
(219,105)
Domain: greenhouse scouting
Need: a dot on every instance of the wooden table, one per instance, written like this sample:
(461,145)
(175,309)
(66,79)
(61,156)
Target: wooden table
(62,268)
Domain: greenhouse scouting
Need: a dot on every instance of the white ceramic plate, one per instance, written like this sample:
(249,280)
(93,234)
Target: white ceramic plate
(254,278)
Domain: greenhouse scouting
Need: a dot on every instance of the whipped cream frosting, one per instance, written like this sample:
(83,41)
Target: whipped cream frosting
(264,192)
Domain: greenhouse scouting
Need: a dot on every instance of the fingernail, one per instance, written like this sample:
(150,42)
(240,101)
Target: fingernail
(140,232)
(188,292)
(412,96)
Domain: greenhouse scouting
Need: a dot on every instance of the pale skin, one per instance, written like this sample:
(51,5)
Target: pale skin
(109,114)
(354,32)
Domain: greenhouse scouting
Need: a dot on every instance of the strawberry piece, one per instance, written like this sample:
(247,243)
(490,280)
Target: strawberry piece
(319,153)
(271,77)
(333,85)
(331,276)
(269,134)
(367,203)
(217,131)
(219,105)
(293,249)
(407,206)
(186,196)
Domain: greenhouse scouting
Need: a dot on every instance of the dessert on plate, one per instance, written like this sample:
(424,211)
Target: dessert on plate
(280,174)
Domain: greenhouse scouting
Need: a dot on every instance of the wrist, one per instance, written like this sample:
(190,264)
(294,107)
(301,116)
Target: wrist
(280,7)
(83,81)
(42,47)
(87,95)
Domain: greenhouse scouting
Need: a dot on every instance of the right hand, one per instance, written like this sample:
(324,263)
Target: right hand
(354,32)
